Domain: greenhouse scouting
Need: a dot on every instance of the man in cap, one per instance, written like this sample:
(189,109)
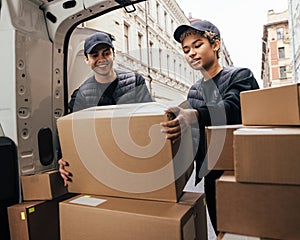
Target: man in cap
(214,99)
(108,86)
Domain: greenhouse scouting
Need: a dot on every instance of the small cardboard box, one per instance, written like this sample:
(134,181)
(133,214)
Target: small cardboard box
(35,220)
(267,155)
(260,210)
(121,151)
(127,219)
(271,106)
(220,147)
(43,186)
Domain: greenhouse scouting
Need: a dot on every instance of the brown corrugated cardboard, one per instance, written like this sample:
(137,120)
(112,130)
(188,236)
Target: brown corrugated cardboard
(42,186)
(35,220)
(121,151)
(18,219)
(99,217)
(231,236)
(271,106)
(267,155)
(220,147)
(228,173)
(261,210)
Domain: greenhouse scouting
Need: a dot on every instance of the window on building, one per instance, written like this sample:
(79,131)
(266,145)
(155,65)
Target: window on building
(157,13)
(282,71)
(280,33)
(160,59)
(140,39)
(191,76)
(126,37)
(151,54)
(166,21)
(168,64)
(180,66)
(281,53)
(174,68)
(148,9)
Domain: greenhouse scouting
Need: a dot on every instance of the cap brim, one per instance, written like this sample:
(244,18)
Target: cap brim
(180,30)
(88,51)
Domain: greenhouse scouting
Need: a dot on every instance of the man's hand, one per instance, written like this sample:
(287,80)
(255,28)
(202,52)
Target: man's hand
(63,172)
(183,119)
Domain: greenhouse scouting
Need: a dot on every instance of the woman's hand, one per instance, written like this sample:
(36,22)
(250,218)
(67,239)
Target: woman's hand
(183,119)
(63,172)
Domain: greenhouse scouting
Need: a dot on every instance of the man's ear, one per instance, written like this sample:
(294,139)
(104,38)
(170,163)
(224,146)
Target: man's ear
(86,59)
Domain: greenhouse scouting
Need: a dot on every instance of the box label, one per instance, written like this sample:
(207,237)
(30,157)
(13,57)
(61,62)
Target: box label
(86,200)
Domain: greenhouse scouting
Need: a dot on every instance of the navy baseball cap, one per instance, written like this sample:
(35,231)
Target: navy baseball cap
(95,39)
(199,25)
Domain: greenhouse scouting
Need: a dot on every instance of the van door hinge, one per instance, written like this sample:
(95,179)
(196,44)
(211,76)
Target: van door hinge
(127,4)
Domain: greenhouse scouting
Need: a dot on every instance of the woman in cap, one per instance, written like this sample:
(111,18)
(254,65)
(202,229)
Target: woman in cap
(214,99)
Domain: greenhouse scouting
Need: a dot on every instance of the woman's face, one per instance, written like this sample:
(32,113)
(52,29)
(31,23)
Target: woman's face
(199,52)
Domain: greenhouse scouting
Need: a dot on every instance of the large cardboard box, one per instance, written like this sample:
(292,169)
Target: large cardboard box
(260,210)
(121,151)
(42,186)
(99,217)
(220,147)
(267,155)
(35,220)
(271,106)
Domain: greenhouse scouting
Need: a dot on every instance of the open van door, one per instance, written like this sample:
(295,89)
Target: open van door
(34,39)
(34,47)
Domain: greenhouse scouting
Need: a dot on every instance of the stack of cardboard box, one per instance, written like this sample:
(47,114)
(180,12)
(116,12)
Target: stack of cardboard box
(37,216)
(263,197)
(129,177)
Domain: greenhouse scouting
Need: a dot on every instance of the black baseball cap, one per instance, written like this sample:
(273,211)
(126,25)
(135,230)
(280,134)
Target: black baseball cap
(95,39)
(199,25)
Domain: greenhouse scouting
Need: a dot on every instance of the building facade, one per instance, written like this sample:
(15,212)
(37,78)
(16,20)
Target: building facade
(145,44)
(294,26)
(276,52)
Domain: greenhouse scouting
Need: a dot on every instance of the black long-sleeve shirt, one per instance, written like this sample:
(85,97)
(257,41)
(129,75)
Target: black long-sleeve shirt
(217,101)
